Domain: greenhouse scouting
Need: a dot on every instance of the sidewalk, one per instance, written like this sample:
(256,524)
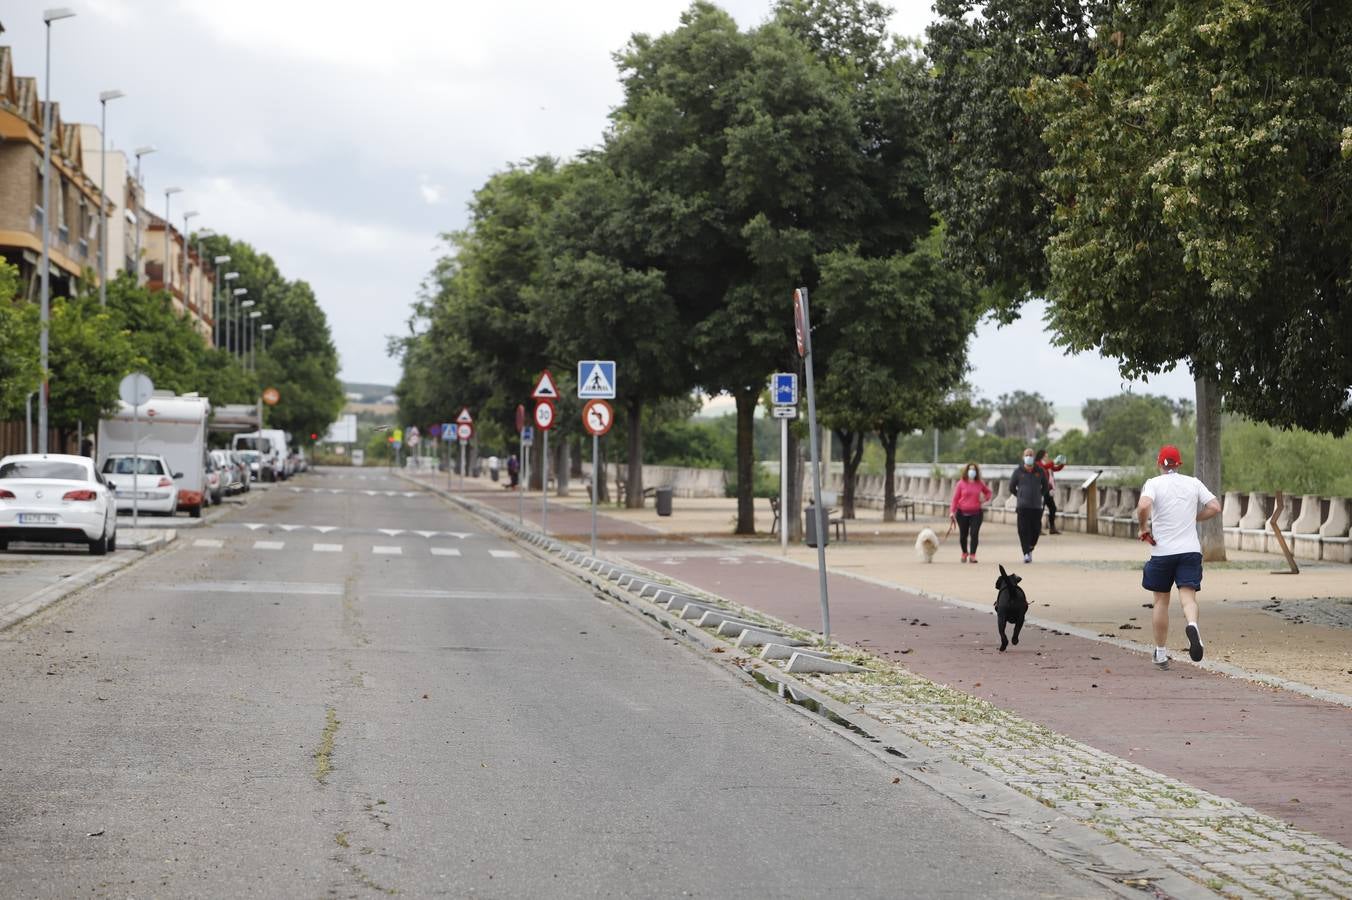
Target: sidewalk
(1280,752)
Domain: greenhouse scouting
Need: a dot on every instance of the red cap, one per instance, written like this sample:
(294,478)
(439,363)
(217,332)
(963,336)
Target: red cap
(1169,456)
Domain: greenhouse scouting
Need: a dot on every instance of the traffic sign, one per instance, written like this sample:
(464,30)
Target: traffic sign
(798,331)
(545,389)
(136,388)
(398,435)
(448,430)
(786,412)
(520,417)
(272,396)
(434,430)
(544,415)
(597,417)
(596,379)
(413,437)
(528,435)
(784,389)
(464,418)
(464,431)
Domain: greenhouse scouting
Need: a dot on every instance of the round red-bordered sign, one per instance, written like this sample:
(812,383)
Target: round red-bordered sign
(464,431)
(544,415)
(597,417)
(520,417)
(798,321)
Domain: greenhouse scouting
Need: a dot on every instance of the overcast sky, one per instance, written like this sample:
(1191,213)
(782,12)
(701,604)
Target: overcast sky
(342,138)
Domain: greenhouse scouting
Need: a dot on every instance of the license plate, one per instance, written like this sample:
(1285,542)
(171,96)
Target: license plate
(36,519)
(128,495)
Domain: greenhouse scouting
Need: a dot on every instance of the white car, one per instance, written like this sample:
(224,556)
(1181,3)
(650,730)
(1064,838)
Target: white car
(145,479)
(52,497)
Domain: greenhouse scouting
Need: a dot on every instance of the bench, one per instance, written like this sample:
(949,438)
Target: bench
(774,508)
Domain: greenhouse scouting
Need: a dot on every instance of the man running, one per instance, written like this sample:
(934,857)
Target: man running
(1171,506)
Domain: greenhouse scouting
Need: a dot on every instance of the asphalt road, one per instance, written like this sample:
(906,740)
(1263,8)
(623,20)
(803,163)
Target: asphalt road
(348,689)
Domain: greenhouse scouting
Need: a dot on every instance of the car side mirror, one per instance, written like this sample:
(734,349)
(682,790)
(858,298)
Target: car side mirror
(178,475)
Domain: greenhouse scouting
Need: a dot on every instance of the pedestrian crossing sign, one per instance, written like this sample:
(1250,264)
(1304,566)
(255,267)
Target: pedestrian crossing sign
(596,379)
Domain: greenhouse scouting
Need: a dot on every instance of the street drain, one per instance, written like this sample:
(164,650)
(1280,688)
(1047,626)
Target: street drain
(783,691)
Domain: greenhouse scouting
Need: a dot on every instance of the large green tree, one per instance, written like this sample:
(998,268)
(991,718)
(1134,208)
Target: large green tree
(19,371)
(89,355)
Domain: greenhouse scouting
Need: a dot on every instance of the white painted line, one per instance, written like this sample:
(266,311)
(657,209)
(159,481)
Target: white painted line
(504,554)
(207,542)
(391,532)
(250,587)
(388,551)
(269,545)
(426,534)
(328,548)
(445,551)
(291,527)
(253,526)
(325,529)
(458,534)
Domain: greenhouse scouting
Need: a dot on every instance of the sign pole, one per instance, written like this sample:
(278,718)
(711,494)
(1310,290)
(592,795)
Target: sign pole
(462,467)
(784,486)
(544,483)
(596,484)
(804,327)
(521,473)
(135,465)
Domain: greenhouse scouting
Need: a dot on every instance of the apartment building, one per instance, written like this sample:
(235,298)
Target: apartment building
(189,279)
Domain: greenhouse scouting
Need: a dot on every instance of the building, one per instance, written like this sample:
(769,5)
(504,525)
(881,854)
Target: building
(190,282)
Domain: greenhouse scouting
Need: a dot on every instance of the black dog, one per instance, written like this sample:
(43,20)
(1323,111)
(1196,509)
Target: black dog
(1011,605)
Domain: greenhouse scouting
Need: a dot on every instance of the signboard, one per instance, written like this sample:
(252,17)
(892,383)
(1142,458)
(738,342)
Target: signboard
(464,418)
(343,431)
(596,379)
(398,436)
(545,389)
(597,417)
(798,330)
(528,435)
(272,396)
(544,415)
(464,431)
(448,430)
(784,389)
(434,431)
(520,417)
(136,389)
(414,439)
(785,412)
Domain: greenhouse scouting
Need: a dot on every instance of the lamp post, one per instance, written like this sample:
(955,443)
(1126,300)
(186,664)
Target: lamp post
(166,269)
(216,263)
(103,187)
(252,355)
(239,325)
(140,223)
(48,17)
(263,331)
(187,285)
(230,312)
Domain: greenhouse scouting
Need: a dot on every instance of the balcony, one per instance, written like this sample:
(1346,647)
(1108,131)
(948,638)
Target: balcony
(82,249)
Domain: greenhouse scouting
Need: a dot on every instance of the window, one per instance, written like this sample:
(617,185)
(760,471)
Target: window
(45,468)
(129,465)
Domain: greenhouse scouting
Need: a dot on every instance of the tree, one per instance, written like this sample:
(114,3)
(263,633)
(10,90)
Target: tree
(89,355)
(1024,416)
(20,374)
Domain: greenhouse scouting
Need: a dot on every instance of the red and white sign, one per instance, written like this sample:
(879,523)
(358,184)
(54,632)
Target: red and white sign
(464,431)
(464,418)
(520,417)
(545,389)
(597,417)
(544,415)
(798,321)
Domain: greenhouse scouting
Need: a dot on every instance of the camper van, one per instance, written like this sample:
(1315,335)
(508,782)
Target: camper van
(271,445)
(168,426)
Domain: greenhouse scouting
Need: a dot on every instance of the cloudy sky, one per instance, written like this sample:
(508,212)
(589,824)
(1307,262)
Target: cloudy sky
(342,138)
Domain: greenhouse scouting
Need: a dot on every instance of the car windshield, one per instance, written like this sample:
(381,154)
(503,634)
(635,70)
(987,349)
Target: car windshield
(44,468)
(127,465)
(253,443)
(249,455)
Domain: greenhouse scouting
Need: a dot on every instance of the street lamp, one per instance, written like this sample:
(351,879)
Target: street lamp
(140,208)
(164,274)
(103,186)
(230,313)
(264,329)
(48,17)
(187,285)
(239,326)
(216,263)
(252,355)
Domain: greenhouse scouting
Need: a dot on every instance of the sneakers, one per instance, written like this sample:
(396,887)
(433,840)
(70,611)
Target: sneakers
(1028,557)
(972,559)
(964,557)
(1161,659)
(1194,643)
(1053,531)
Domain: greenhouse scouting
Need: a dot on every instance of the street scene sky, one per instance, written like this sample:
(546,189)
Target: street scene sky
(343,138)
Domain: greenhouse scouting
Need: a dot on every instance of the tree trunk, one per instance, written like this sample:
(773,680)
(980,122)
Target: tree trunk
(746,461)
(563,467)
(583,448)
(536,452)
(633,498)
(889,441)
(1208,464)
(795,498)
(852,452)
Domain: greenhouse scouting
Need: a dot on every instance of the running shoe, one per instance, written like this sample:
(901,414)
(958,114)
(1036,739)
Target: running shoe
(1161,659)
(1028,557)
(1194,643)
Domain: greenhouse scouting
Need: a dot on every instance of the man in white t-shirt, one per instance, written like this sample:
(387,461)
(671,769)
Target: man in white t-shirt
(1174,503)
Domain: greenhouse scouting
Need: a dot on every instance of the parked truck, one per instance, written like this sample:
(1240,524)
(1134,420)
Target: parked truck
(168,426)
(272,445)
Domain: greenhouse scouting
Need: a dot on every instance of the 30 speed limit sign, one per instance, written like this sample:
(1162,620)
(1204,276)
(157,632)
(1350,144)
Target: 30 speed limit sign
(464,431)
(544,415)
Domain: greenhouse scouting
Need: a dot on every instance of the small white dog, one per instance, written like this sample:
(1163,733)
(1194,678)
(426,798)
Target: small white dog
(926,545)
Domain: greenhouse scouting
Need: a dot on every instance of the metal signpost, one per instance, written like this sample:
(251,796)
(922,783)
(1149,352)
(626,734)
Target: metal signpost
(544,420)
(597,417)
(802,327)
(447,434)
(784,394)
(521,462)
(464,431)
(135,389)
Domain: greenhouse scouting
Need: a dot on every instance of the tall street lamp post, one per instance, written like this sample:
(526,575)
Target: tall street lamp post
(48,17)
(216,263)
(263,332)
(103,186)
(140,219)
(187,285)
(252,355)
(230,312)
(167,269)
(239,324)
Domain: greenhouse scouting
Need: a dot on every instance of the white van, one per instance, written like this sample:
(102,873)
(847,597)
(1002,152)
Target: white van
(271,443)
(172,427)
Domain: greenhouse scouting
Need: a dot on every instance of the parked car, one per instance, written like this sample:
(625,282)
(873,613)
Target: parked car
(53,497)
(260,465)
(245,478)
(145,479)
(215,482)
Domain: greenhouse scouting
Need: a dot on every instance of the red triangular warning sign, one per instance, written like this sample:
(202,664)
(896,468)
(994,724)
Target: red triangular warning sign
(464,418)
(544,388)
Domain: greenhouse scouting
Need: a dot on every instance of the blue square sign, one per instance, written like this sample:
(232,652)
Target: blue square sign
(784,389)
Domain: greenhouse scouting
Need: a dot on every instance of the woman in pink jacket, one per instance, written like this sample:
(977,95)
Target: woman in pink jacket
(968,495)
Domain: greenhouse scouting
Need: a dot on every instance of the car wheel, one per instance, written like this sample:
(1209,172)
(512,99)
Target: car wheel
(4,545)
(112,541)
(99,546)
(196,511)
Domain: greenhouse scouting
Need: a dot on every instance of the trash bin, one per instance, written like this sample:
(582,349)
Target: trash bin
(664,501)
(810,528)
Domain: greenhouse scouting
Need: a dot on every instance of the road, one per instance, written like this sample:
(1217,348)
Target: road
(348,688)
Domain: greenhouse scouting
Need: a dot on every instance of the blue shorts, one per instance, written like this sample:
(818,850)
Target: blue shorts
(1161,573)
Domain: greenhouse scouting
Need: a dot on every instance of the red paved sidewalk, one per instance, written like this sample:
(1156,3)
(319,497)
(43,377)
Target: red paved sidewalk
(1282,753)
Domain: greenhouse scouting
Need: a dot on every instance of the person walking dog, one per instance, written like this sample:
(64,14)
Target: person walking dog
(965,510)
(1171,506)
(1029,484)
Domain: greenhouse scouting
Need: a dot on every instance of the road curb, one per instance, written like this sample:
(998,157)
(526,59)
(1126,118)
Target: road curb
(16,611)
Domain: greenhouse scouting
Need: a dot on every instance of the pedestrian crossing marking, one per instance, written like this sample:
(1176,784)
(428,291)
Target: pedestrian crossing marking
(207,542)
(388,551)
(504,554)
(269,545)
(328,548)
(445,551)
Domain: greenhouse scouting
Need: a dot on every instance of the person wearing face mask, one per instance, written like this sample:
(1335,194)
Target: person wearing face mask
(965,510)
(1029,484)
(1049,498)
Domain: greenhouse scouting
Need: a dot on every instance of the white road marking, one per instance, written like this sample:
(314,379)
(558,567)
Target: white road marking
(504,554)
(251,587)
(445,551)
(269,545)
(325,529)
(253,526)
(328,548)
(426,534)
(388,551)
(458,534)
(391,532)
(291,527)
(207,542)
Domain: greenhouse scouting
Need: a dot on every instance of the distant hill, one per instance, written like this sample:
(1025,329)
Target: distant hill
(368,393)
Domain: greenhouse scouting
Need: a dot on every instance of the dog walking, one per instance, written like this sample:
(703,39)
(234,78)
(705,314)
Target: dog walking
(965,510)
(1171,506)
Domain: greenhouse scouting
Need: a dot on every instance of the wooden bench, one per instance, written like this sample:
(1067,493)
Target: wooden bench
(774,508)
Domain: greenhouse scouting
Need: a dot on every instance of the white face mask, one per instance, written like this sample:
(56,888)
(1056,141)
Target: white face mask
(1028,460)
(971,473)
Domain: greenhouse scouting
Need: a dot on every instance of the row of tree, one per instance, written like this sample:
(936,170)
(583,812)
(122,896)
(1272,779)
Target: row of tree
(1171,176)
(91,348)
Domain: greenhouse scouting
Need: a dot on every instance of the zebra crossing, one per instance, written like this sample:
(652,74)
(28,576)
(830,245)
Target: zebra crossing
(388,550)
(268,528)
(366,492)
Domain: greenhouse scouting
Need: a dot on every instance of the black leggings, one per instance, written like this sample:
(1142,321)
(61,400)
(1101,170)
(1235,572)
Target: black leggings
(968,524)
(1049,501)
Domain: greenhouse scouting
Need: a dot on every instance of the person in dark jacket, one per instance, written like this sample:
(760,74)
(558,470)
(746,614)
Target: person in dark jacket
(1029,484)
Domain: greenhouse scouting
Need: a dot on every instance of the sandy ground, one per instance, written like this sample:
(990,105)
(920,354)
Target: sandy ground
(1297,627)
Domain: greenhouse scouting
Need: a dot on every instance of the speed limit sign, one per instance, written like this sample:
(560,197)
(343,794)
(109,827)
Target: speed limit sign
(544,415)
(464,431)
